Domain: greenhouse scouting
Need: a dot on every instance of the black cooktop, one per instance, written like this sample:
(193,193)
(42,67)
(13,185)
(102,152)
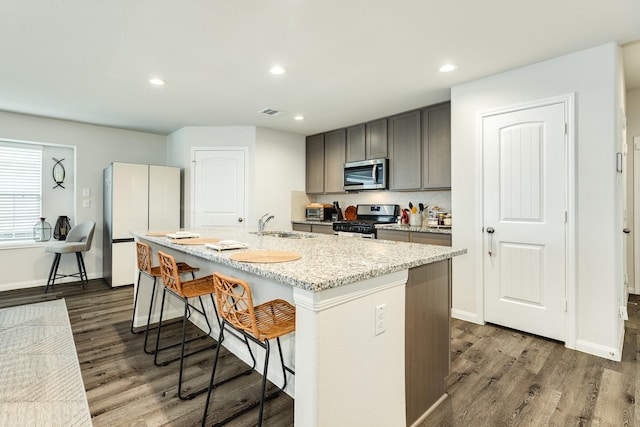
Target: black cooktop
(367,216)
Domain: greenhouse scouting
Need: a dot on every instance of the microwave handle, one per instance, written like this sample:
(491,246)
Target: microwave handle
(374,171)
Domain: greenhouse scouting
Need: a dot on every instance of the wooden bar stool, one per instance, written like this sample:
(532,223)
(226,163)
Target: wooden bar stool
(260,324)
(196,288)
(143,252)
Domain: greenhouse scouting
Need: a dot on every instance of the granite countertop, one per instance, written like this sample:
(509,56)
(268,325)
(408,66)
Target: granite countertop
(328,261)
(440,230)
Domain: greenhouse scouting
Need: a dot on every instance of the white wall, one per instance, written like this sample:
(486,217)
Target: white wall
(592,75)
(96,147)
(276,164)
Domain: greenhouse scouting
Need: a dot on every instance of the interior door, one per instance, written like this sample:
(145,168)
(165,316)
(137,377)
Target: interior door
(524,203)
(219,187)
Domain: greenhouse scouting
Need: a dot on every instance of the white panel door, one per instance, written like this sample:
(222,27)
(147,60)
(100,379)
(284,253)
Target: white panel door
(164,198)
(524,220)
(130,199)
(219,187)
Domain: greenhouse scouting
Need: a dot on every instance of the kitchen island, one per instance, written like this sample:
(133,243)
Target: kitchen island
(371,345)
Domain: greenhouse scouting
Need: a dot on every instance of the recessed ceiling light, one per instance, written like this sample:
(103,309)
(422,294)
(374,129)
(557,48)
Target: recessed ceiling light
(447,68)
(299,117)
(157,81)
(277,70)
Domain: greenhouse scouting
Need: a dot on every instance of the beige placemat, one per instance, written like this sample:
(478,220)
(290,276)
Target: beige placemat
(196,241)
(266,256)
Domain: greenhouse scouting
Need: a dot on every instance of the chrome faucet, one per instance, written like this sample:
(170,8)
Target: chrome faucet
(262,222)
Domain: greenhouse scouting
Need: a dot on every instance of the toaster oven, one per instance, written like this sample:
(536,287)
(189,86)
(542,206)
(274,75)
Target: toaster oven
(319,213)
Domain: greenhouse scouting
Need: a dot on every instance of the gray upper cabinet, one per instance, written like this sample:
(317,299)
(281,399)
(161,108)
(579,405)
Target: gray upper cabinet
(355,143)
(405,150)
(436,146)
(376,139)
(315,164)
(367,141)
(334,156)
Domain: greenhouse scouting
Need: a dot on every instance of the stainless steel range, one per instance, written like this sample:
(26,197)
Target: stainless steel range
(367,216)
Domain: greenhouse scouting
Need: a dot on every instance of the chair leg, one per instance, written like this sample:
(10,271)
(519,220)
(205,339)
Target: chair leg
(81,269)
(135,303)
(146,333)
(155,356)
(264,381)
(213,374)
(53,272)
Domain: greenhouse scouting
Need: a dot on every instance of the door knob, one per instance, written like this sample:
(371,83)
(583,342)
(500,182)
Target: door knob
(626,230)
(490,230)
(240,220)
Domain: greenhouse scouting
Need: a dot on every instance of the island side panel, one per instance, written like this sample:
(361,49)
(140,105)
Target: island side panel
(427,339)
(346,374)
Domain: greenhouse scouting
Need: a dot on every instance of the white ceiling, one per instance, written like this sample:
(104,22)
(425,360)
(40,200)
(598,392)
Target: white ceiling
(348,61)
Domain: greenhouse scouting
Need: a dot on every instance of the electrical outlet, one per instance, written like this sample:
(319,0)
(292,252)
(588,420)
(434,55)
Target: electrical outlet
(86,192)
(381,318)
(86,203)
(623,313)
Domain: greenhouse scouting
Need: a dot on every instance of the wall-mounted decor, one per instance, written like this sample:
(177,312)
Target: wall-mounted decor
(58,173)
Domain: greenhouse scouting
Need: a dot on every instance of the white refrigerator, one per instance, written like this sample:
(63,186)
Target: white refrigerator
(137,197)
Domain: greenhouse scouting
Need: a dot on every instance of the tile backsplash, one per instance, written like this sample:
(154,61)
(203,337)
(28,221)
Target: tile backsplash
(442,199)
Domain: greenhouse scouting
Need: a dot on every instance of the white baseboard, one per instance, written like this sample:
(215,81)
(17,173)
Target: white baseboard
(599,350)
(36,283)
(465,315)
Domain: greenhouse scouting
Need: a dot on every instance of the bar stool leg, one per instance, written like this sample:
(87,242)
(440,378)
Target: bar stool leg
(135,303)
(53,272)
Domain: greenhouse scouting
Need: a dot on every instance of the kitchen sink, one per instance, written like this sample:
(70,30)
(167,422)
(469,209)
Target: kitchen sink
(288,234)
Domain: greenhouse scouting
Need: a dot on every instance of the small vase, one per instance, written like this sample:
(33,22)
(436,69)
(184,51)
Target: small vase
(42,231)
(62,228)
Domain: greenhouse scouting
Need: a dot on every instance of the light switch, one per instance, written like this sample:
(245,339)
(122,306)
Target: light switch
(86,192)
(86,203)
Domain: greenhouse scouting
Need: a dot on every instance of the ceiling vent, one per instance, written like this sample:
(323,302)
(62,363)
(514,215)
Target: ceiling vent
(271,112)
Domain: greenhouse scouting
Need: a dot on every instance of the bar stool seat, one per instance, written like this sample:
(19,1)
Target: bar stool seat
(260,324)
(143,252)
(196,288)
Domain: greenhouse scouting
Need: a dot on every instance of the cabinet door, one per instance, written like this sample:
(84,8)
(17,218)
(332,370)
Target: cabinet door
(436,147)
(301,227)
(334,153)
(355,143)
(376,139)
(315,164)
(395,235)
(440,239)
(322,228)
(404,143)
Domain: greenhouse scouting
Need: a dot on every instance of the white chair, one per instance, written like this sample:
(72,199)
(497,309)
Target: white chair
(78,241)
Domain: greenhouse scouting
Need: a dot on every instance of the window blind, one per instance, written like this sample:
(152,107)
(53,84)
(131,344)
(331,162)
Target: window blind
(20,190)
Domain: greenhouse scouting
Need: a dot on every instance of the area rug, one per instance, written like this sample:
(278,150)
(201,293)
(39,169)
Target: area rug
(40,379)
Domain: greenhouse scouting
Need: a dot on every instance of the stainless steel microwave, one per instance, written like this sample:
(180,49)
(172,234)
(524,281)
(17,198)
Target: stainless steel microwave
(366,175)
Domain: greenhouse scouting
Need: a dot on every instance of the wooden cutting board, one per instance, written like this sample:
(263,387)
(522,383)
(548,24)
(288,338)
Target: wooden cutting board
(266,256)
(194,241)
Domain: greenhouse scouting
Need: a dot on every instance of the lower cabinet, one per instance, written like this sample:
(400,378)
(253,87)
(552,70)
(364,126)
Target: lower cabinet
(313,228)
(441,239)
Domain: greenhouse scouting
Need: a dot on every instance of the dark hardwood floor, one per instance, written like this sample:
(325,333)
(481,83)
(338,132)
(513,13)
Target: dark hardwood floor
(125,388)
(502,377)
(499,377)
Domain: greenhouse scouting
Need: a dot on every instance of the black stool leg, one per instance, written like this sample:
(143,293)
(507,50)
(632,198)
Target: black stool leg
(146,334)
(135,303)
(81,269)
(53,272)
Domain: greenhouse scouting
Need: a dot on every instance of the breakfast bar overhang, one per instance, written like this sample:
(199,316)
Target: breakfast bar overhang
(371,345)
